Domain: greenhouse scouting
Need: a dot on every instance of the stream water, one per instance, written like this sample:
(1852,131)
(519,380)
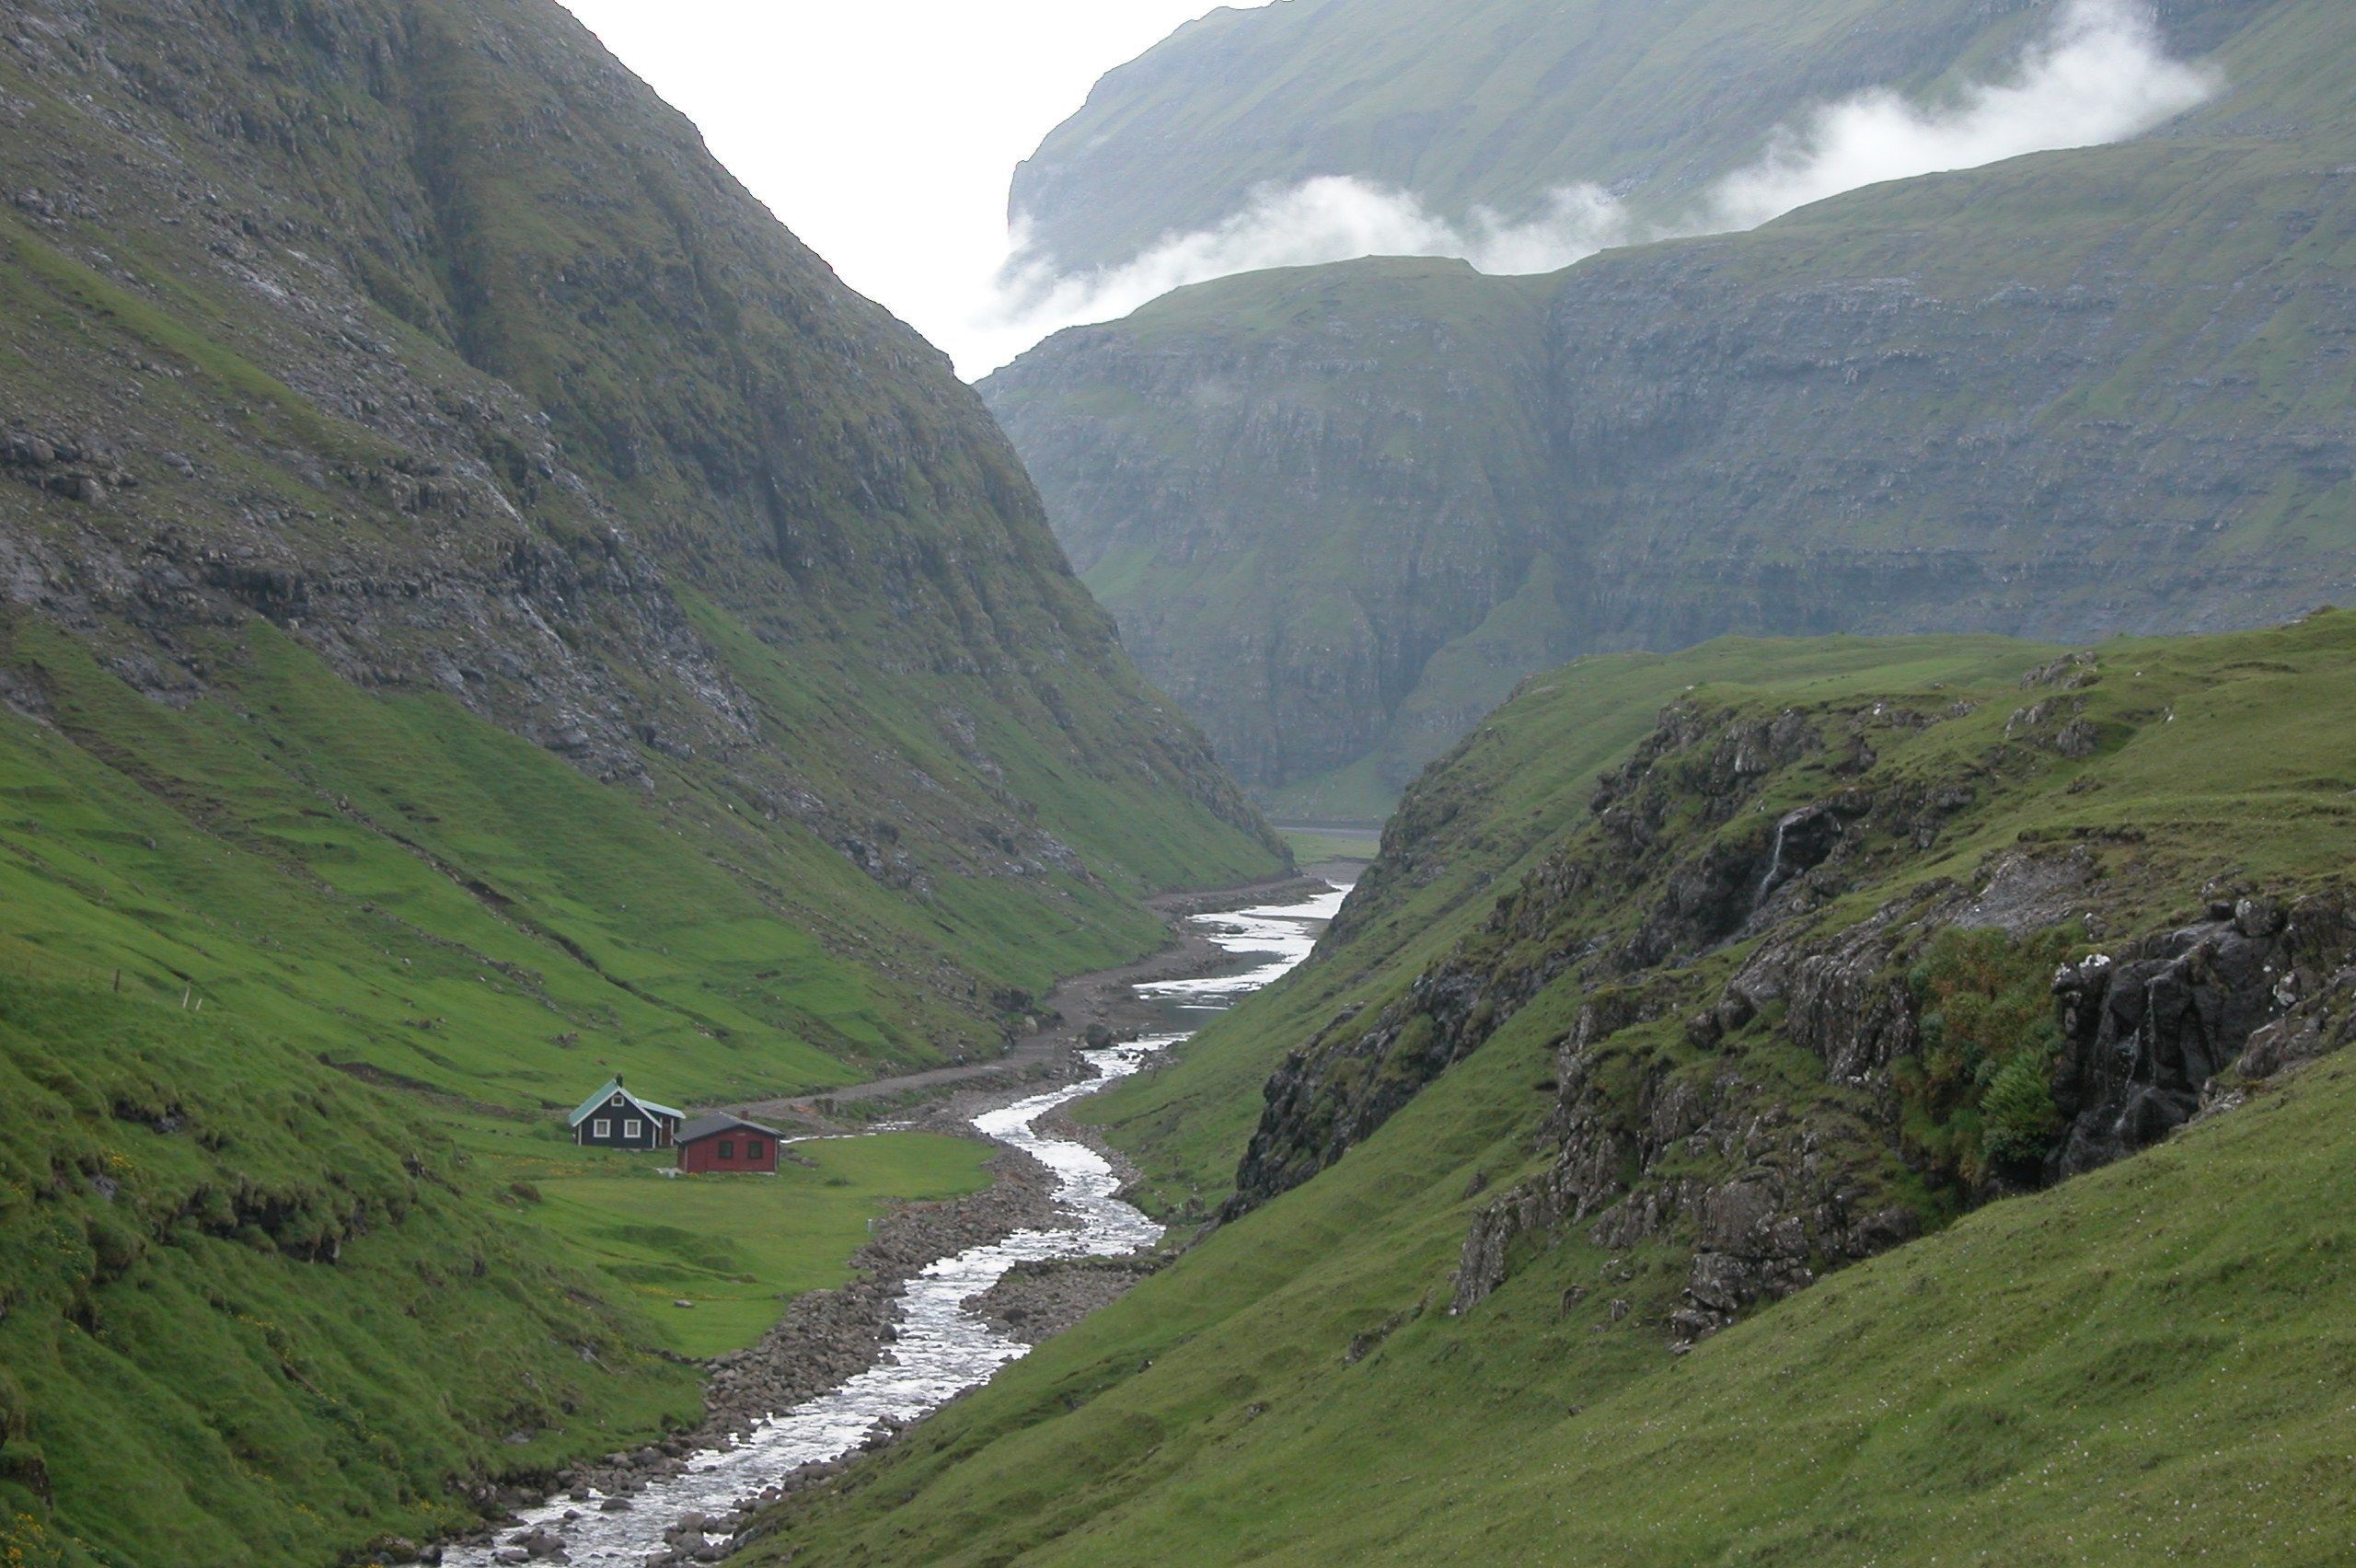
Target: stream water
(941,1349)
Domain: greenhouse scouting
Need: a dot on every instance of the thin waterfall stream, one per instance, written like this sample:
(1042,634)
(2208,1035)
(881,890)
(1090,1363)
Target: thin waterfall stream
(941,1349)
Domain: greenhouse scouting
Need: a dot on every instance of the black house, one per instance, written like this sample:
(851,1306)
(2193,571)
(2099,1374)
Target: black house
(615,1118)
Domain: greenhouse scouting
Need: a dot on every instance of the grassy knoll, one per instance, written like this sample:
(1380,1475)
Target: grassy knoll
(738,1247)
(2142,1362)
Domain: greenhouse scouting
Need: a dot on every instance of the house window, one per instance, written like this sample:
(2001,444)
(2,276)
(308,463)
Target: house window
(634,1127)
(752,1148)
(727,1148)
(601,1128)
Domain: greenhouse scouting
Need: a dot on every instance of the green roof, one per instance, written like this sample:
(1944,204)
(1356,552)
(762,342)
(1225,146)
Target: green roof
(613,1086)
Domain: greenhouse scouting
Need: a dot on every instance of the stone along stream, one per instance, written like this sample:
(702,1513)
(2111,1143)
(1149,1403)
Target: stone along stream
(940,1348)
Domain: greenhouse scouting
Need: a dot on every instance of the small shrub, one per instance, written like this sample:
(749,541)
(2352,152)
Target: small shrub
(25,1464)
(2017,1116)
(1981,1094)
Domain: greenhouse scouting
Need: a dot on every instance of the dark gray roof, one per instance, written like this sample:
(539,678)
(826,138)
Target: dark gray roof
(704,1126)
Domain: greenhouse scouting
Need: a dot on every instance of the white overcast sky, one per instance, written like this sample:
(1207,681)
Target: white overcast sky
(885,131)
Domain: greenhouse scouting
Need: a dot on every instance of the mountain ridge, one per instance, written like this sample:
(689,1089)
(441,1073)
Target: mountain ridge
(1492,106)
(1980,400)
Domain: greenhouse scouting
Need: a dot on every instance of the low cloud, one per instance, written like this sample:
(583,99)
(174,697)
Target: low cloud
(2101,75)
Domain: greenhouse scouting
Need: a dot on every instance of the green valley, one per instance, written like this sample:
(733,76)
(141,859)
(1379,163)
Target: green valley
(1836,1049)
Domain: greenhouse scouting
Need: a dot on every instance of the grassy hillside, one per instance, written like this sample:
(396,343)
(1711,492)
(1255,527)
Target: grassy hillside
(481,609)
(2139,1365)
(457,910)
(2061,396)
(2126,1364)
(258,1312)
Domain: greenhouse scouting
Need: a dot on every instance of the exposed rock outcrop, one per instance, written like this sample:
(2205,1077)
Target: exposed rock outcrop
(1706,924)
(2151,1029)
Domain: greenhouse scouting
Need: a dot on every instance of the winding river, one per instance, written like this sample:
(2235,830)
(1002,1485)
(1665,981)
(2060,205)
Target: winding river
(941,1349)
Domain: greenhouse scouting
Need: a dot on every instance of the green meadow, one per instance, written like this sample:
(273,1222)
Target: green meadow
(737,1248)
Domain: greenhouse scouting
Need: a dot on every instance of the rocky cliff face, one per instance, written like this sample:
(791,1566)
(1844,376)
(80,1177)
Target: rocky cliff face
(1805,1028)
(426,334)
(2063,396)
(1291,534)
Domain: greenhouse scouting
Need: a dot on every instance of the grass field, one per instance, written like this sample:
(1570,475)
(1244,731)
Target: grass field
(739,1248)
(1313,845)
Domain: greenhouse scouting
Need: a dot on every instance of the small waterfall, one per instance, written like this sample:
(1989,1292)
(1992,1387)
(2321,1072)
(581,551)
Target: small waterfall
(1773,878)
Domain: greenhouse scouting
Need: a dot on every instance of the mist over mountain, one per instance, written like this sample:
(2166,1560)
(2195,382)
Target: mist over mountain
(1340,511)
(2101,72)
(1495,107)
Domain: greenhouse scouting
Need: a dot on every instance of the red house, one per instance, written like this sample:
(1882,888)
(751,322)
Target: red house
(728,1143)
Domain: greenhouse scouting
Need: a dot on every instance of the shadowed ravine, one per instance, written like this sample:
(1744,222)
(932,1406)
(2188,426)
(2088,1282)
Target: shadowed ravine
(940,1348)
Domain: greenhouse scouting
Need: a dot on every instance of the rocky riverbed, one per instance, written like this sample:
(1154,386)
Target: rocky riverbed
(1032,1302)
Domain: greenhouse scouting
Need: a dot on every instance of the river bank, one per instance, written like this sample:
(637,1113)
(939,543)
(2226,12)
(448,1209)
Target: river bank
(949,1292)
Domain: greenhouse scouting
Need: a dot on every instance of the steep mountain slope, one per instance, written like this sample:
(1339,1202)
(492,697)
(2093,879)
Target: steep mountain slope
(2063,395)
(1609,1055)
(481,608)
(1295,488)
(1489,104)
